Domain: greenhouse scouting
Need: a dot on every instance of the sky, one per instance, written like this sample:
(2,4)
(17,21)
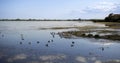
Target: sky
(58,9)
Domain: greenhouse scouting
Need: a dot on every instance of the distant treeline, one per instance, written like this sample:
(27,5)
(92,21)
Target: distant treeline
(52,19)
(110,18)
(40,19)
(113,18)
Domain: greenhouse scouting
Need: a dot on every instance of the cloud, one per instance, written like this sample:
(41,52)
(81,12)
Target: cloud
(97,10)
(99,7)
(73,14)
(102,7)
(117,9)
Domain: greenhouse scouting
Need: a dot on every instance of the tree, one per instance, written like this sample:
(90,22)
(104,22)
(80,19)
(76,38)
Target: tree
(107,19)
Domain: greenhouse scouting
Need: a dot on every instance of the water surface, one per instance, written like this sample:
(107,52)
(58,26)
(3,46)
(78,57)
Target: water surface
(28,42)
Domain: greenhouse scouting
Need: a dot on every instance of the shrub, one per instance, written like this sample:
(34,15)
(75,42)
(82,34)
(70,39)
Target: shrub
(97,36)
(90,35)
(83,34)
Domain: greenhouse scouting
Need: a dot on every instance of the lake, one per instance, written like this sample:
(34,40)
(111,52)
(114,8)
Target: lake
(49,42)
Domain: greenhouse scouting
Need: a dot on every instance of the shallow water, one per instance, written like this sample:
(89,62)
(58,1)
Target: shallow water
(26,42)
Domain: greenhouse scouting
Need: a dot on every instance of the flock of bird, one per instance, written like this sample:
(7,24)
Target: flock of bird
(48,42)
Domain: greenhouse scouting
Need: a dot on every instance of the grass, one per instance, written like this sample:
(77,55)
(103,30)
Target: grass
(89,29)
(114,25)
(83,34)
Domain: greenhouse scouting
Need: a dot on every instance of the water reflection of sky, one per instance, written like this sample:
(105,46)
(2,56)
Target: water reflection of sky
(45,46)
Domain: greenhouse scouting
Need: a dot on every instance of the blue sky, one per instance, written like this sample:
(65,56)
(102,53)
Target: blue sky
(58,9)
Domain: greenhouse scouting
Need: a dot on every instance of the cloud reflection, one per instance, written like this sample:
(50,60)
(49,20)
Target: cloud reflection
(98,61)
(40,62)
(52,57)
(17,57)
(1,55)
(113,61)
(81,59)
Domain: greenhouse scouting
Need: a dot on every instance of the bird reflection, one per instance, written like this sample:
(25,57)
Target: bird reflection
(72,45)
(22,38)
(103,48)
(53,34)
(2,35)
(29,42)
(91,53)
(60,34)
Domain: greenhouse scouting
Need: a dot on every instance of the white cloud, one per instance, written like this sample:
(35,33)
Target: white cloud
(95,10)
(104,6)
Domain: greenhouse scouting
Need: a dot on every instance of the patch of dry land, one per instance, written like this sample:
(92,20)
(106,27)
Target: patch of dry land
(110,31)
(114,25)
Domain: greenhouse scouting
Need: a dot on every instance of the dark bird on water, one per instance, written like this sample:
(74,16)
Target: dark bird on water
(38,42)
(49,41)
(46,45)
(102,48)
(20,42)
(73,42)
